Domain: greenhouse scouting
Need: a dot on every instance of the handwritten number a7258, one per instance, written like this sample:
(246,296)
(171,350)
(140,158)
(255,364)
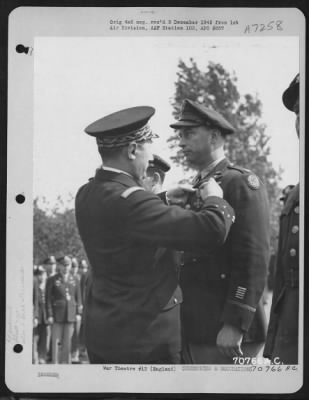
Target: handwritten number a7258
(253,28)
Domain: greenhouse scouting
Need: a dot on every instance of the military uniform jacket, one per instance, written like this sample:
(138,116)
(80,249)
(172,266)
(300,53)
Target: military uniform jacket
(287,269)
(225,285)
(134,281)
(39,303)
(63,298)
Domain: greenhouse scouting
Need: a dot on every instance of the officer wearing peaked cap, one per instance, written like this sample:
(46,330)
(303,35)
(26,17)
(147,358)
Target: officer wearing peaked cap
(194,115)
(132,312)
(282,334)
(222,313)
(50,265)
(155,174)
(40,331)
(63,304)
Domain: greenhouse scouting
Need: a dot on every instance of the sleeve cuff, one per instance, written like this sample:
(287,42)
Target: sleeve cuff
(238,314)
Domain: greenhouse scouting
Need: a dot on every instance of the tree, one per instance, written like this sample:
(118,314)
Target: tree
(217,89)
(55,231)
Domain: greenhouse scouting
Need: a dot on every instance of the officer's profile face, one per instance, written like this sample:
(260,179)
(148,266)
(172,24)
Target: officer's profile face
(196,144)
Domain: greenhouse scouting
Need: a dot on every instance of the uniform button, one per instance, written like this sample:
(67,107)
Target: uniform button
(295,229)
(194,260)
(292,252)
(222,276)
(175,300)
(296,210)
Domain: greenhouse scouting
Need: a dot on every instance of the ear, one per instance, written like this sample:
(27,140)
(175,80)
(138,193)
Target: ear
(156,179)
(216,136)
(131,150)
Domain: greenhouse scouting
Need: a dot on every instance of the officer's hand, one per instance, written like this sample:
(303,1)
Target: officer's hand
(35,322)
(210,188)
(78,318)
(179,195)
(229,341)
(50,320)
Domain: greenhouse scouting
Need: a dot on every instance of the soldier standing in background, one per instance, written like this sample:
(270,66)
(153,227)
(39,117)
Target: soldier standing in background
(84,276)
(40,345)
(155,174)
(77,324)
(50,265)
(223,313)
(282,335)
(63,300)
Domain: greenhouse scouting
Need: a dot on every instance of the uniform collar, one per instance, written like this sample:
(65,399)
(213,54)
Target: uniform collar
(105,175)
(118,171)
(215,168)
(207,171)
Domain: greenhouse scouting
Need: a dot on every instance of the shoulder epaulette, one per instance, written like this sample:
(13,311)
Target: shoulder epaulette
(130,190)
(240,169)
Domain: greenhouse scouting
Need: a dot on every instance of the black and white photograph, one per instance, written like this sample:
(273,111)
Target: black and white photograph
(155,195)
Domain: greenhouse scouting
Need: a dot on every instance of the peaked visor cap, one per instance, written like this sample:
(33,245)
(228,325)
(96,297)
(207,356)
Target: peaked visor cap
(122,127)
(291,94)
(194,114)
(159,163)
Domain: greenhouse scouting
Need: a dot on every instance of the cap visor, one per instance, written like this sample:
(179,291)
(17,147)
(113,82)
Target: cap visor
(182,124)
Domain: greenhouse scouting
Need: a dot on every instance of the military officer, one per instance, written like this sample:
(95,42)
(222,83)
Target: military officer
(222,313)
(63,301)
(282,335)
(155,174)
(50,266)
(77,324)
(132,312)
(40,345)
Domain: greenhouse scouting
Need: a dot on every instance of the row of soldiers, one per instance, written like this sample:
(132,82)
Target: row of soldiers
(58,301)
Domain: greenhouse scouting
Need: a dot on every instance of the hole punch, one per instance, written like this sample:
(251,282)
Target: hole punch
(20,199)
(20,48)
(18,348)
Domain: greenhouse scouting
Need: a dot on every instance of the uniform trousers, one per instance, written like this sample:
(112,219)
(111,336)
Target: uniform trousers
(286,340)
(49,343)
(61,342)
(75,340)
(40,343)
(210,354)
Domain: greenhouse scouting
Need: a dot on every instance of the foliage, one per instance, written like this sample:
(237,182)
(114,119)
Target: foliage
(217,89)
(55,231)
